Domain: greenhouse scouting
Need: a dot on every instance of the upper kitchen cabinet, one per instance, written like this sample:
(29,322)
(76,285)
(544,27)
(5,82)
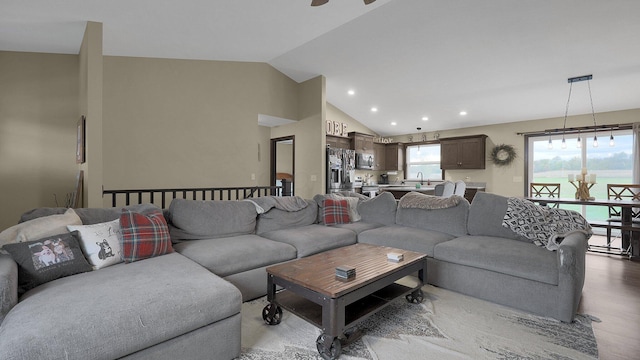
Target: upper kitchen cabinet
(362,143)
(465,152)
(338,142)
(379,156)
(394,157)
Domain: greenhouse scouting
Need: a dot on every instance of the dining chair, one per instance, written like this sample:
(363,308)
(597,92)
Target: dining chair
(444,189)
(449,188)
(542,190)
(460,188)
(621,192)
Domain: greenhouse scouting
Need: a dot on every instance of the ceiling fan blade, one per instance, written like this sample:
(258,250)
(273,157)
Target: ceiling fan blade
(367,2)
(319,2)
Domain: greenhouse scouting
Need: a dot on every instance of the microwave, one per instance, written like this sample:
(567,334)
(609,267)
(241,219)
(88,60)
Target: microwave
(364,161)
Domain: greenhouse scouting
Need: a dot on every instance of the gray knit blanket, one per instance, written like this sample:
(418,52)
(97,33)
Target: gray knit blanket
(416,200)
(285,203)
(544,226)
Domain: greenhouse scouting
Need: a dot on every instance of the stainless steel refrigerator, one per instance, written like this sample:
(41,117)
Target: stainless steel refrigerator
(341,165)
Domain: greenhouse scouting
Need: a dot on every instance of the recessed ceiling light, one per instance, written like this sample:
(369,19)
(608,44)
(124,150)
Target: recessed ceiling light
(394,123)
(424,118)
(463,113)
(374,109)
(351,92)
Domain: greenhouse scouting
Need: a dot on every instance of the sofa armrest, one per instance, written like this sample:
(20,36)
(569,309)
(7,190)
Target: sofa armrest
(571,254)
(571,272)
(8,285)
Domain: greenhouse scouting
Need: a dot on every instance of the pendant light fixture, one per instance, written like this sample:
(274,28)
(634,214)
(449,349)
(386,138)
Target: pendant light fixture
(593,114)
(579,141)
(611,141)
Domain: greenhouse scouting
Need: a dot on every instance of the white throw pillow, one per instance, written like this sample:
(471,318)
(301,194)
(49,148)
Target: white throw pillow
(354,215)
(39,228)
(100,243)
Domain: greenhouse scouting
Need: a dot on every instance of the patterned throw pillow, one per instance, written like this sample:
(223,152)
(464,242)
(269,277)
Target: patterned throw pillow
(47,259)
(144,235)
(100,242)
(335,212)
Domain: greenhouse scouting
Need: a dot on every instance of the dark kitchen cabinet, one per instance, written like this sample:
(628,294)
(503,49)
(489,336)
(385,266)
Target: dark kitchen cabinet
(394,157)
(362,143)
(466,152)
(379,156)
(338,142)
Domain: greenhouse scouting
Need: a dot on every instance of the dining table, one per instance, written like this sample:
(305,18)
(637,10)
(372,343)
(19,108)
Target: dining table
(630,230)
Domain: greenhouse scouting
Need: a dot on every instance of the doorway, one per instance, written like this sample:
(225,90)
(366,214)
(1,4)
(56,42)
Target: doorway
(283,164)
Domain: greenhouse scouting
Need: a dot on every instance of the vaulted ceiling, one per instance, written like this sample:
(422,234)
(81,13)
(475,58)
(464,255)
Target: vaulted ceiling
(498,60)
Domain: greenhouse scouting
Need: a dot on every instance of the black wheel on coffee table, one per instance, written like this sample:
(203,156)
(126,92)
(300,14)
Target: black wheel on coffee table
(415,297)
(334,351)
(272,314)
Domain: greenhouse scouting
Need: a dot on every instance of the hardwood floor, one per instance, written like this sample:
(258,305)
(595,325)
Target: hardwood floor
(612,294)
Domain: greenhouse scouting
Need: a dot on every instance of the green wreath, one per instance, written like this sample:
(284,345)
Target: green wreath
(503,155)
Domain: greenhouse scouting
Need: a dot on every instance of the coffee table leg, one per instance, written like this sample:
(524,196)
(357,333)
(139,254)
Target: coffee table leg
(417,296)
(328,347)
(328,343)
(272,313)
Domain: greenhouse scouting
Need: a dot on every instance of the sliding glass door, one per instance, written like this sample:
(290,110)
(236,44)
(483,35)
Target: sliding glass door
(549,161)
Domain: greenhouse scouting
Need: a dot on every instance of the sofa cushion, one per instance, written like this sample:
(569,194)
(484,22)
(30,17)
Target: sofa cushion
(335,212)
(380,209)
(47,259)
(198,219)
(232,255)
(276,219)
(486,215)
(403,237)
(100,242)
(312,239)
(359,226)
(143,235)
(40,227)
(117,310)
(502,255)
(452,220)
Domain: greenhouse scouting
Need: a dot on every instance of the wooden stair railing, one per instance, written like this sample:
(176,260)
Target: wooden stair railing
(139,196)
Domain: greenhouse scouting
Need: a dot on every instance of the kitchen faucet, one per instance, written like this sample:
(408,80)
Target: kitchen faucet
(421,177)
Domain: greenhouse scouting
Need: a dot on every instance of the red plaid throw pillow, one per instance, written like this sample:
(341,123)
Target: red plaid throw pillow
(336,212)
(144,235)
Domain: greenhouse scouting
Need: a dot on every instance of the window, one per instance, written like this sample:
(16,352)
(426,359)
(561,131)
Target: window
(611,164)
(423,158)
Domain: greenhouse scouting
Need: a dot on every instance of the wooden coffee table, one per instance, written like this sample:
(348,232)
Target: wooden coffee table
(312,291)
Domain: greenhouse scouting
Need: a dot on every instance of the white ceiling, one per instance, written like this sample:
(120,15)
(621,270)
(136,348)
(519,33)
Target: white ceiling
(500,60)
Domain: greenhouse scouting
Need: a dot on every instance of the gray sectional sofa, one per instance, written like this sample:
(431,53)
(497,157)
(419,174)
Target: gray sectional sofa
(187,304)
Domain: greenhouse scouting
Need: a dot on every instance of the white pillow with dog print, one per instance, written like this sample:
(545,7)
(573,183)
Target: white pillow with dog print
(100,243)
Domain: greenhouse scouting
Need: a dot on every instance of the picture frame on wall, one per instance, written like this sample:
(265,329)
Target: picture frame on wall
(80,144)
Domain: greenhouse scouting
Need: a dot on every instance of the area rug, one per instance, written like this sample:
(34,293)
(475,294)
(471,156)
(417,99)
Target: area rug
(447,325)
